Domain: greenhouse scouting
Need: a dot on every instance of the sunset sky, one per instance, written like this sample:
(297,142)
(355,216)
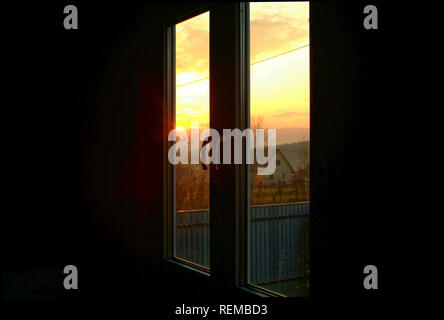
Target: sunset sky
(279,85)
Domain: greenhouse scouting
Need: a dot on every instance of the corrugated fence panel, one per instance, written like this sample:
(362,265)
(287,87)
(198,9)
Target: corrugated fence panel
(279,240)
(192,236)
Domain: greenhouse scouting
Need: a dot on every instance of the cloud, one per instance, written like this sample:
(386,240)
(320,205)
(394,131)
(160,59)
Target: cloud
(274,28)
(288,114)
(193,45)
(277,27)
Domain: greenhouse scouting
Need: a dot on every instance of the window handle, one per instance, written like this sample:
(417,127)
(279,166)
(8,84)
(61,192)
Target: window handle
(205,166)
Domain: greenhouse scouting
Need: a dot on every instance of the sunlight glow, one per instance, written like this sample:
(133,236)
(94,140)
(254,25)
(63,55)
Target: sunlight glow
(180,128)
(192,63)
(279,85)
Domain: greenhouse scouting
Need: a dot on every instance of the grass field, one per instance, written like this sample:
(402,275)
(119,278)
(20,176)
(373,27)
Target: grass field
(273,194)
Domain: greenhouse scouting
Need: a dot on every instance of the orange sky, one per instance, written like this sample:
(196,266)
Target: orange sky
(279,86)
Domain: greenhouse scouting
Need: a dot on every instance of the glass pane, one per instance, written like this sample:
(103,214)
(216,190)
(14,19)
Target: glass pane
(279,202)
(192,109)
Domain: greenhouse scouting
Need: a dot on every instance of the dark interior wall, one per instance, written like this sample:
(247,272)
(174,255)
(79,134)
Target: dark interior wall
(362,81)
(354,160)
(87,167)
(87,132)
(123,161)
(341,67)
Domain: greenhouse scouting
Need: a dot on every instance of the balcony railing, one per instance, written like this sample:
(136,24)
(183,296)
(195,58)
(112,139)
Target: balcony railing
(279,243)
(193,236)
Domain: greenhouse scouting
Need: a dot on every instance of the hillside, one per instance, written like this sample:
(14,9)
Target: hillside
(295,153)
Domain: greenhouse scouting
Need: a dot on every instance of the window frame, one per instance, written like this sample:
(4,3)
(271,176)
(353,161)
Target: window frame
(169,106)
(229,258)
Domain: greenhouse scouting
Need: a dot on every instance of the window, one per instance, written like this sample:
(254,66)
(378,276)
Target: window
(259,77)
(190,197)
(192,108)
(279,91)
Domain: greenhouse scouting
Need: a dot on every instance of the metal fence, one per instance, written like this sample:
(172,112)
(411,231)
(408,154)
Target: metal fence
(279,247)
(193,236)
(279,243)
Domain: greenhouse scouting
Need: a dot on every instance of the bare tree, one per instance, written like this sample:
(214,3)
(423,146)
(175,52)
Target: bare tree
(257,122)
